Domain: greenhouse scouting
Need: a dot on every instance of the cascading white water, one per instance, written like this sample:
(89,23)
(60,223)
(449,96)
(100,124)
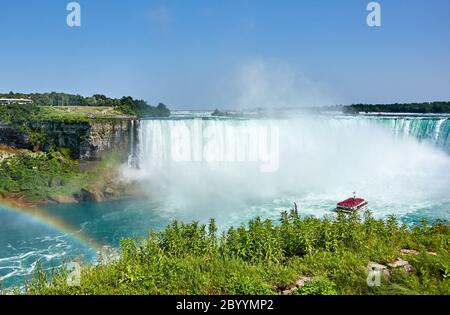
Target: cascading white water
(436,130)
(199,140)
(132,144)
(227,166)
(205,141)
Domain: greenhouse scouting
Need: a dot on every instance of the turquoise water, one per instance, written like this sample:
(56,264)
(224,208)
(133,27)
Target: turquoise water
(24,241)
(401,168)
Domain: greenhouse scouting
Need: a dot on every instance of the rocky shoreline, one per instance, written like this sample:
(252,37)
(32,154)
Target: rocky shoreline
(85,195)
(97,147)
(105,194)
(105,184)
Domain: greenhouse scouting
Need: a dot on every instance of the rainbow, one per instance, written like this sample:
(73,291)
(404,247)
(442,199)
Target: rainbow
(41,216)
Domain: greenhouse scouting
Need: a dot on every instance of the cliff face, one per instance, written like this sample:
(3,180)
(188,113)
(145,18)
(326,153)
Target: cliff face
(12,137)
(102,137)
(86,140)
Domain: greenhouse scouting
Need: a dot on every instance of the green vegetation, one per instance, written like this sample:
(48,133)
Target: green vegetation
(125,105)
(266,258)
(26,120)
(64,99)
(30,121)
(55,175)
(38,175)
(419,108)
(219,113)
(67,114)
(140,108)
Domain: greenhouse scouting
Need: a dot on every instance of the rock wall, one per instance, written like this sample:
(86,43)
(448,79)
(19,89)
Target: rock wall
(86,140)
(103,137)
(12,137)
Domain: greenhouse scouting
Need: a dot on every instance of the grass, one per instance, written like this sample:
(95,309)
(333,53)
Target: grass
(68,114)
(263,257)
(124,105)
(79,113)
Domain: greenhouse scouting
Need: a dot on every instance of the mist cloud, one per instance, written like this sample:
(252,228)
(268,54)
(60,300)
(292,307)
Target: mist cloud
(273,84)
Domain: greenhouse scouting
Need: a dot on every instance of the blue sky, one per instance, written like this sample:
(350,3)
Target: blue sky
(228,53)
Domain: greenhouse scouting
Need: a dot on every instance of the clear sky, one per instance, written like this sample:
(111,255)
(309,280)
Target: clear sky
(229,53)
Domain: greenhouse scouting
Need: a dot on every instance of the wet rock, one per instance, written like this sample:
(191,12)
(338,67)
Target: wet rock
(63,199)
(92,196)
(109,193)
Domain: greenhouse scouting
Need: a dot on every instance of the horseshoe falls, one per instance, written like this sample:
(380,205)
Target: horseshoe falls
(236,169)
(155,135)
(196,167)
(435,131)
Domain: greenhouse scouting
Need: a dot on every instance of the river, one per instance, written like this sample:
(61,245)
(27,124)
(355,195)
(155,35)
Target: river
(196,167)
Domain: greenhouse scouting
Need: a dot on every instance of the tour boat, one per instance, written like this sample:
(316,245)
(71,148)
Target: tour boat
(352,204)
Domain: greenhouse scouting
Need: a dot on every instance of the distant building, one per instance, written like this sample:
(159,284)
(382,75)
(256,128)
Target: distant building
(19,101)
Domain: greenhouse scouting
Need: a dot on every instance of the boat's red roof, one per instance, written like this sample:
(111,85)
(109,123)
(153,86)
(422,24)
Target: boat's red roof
(351,202)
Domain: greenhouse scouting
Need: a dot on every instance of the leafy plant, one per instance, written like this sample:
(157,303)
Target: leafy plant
(265,258)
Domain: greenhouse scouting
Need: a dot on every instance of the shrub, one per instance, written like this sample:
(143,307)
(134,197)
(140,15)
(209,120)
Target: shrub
(264,258)
(320,286)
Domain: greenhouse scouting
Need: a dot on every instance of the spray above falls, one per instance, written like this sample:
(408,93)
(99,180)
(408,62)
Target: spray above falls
(206,164)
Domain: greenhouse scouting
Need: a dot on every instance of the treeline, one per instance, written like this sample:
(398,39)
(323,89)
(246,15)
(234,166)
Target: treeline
(126,104)
(130,106)
(219,113)
(419,108)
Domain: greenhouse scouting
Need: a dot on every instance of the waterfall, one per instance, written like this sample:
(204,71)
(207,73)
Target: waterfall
(213,165)
(435,131)
(314,147)
(133,140)
(158,142)
(205,141)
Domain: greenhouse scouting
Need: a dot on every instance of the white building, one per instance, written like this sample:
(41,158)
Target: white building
(19,101)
